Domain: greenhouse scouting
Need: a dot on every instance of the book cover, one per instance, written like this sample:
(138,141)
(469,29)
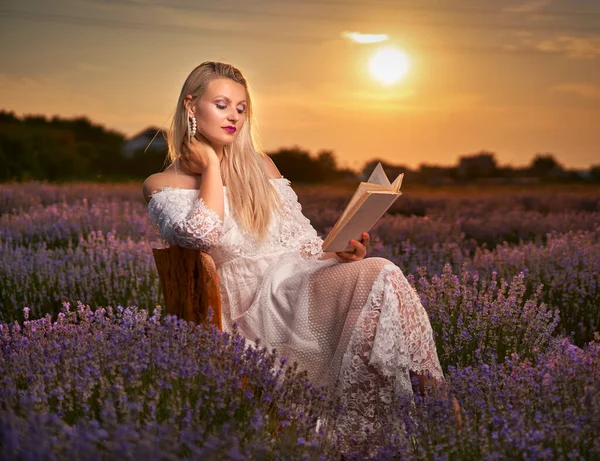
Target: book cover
(368,203)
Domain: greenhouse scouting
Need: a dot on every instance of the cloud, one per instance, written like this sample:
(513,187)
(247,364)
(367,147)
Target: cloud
(570,46)
(112,3)
(324,97)
(585,90)
(528,7)
(339,101)
(573,47)
(358,37)
(181,16)
(17,91)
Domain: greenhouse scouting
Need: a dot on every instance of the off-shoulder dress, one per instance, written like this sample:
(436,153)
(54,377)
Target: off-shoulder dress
(356,326)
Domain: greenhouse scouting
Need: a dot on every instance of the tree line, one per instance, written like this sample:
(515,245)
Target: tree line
(57,149)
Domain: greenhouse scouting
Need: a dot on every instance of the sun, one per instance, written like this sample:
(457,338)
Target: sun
(389,65)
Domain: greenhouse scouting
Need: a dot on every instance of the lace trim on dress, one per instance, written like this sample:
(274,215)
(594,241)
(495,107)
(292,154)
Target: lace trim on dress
(199,228)
(202,229)
(392,336)
(296,231)
(312,249)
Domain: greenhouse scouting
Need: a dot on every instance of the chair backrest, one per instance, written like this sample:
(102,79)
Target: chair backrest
(189,283)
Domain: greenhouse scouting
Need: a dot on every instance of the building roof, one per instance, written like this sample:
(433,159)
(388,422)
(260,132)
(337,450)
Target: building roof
(149,132)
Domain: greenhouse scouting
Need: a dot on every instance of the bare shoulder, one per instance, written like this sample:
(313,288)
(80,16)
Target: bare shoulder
(152,184)
(157,181)
(272,170)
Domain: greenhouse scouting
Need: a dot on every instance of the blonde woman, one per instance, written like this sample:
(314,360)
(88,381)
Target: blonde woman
(344,318)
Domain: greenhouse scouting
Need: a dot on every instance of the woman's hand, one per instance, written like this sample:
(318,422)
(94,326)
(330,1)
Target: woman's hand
(359,252)
(198,154)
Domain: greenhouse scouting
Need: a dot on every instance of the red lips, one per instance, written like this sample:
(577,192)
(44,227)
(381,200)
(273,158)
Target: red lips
(230,129)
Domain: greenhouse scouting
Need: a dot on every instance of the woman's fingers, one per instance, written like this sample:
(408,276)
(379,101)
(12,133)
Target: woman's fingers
(185,148)
(359,250)
(345,255)
(366,239)
(187,160)
(360,247)
(198,152)
(184,161)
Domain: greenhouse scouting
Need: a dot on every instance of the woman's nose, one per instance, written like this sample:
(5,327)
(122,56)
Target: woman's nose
(234,116)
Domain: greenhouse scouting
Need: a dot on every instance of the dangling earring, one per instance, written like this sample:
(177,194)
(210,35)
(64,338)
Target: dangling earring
(191,127)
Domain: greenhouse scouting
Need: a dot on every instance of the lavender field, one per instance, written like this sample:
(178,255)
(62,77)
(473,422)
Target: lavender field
(91,369)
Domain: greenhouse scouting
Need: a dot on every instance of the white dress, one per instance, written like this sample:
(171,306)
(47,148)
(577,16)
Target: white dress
(357,327)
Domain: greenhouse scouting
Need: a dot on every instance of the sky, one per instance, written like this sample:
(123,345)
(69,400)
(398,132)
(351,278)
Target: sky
(516,78)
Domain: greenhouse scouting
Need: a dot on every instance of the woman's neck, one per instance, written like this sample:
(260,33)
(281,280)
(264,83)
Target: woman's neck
(220,150)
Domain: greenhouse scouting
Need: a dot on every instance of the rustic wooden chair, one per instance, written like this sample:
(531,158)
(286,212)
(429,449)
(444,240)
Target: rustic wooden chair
(189,283)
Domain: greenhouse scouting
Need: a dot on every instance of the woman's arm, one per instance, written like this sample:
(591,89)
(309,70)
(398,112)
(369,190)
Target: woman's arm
(200,158)
(199,227)
(178,223)
(211,187)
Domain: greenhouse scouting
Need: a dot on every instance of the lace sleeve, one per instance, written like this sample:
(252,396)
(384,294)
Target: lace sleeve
(311,248)
(179,221)
(306,239)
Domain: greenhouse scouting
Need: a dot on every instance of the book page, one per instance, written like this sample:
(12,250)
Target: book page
(375,204)
(359,193)
(378,176)
(398,182)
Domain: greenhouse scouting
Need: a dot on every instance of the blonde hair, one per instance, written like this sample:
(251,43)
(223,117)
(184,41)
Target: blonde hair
(251,195)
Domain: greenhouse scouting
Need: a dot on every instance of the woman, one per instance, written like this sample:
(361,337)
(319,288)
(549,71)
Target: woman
(343,318)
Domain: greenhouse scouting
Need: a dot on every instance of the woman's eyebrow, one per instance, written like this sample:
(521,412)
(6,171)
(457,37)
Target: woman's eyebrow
(227,99)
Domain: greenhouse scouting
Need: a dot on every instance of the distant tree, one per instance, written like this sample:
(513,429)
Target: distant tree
(18,159)
(370,165)
(545,166)
(433,174)
(34,147)
(392,171)
(144,162)
(8,118)
(326,164)
(35,120)
(298,164)
(295,164)
(506,171)
(481,165)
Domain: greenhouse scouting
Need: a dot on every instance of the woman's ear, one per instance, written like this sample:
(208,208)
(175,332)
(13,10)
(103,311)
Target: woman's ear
(187,101)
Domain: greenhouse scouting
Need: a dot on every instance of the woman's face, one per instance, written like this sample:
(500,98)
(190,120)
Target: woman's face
(221,111)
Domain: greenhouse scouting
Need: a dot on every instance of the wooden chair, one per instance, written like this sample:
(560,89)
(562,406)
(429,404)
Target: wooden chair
(189,283)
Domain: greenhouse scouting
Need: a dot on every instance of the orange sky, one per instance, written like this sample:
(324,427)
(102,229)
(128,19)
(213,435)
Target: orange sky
(516,80)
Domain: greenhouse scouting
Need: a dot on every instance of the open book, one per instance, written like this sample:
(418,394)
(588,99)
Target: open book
(369,202)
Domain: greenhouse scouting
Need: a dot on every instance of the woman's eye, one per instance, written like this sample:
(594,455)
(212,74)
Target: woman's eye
(223,107)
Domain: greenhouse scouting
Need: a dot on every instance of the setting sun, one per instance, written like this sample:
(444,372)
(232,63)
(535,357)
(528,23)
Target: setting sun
(389,65)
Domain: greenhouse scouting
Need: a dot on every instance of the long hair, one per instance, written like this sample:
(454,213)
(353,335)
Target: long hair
(251,195)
